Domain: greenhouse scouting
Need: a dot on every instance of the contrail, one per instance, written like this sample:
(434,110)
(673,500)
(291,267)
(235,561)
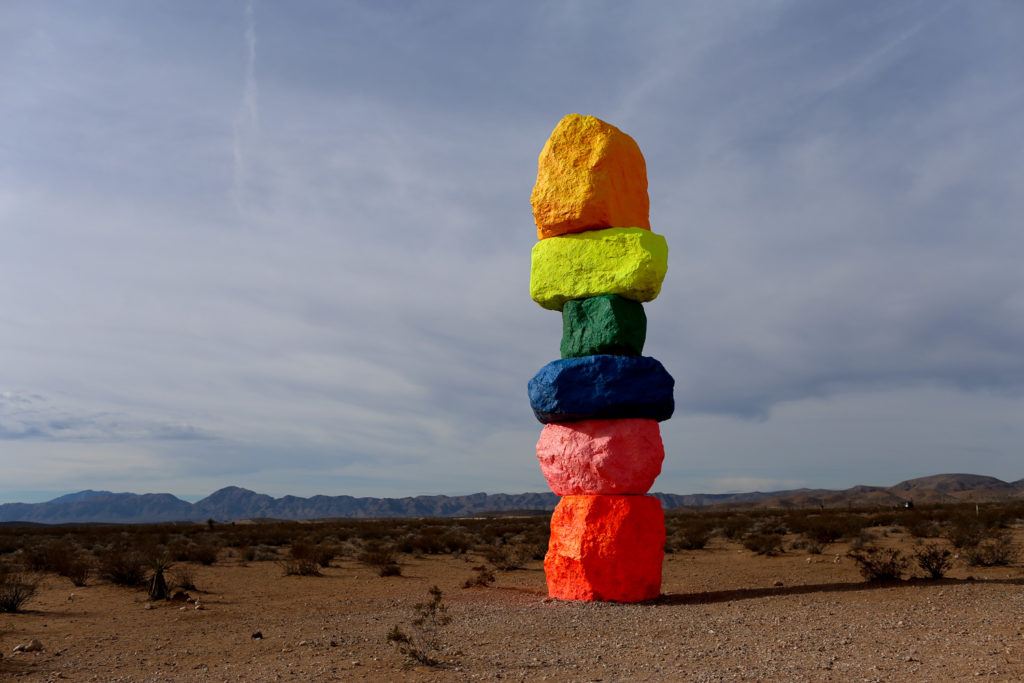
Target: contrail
(247,119)
(871,62)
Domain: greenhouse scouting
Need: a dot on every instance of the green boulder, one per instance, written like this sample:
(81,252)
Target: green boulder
(608,324)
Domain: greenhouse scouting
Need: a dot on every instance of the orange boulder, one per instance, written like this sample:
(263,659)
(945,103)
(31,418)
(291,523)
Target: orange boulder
(590,175)
(606,548)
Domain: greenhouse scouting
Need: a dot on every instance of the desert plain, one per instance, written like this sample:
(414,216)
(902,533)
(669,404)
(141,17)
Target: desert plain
(727,613)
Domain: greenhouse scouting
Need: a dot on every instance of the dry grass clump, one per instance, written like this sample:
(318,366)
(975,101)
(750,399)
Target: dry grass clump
(420,641)
(482,577)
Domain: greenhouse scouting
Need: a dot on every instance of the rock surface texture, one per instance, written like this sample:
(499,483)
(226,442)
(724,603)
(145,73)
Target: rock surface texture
(603,324)
(589,175)
(630,262)
(601,457)
(602,387)
(606,548)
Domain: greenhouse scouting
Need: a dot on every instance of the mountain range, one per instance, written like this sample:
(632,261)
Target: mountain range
(234,503)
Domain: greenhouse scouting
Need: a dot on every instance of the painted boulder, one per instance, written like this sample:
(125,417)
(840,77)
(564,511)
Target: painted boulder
(606,548)
(608,324)
(602,387)
(629,262)
(589,175)
(601,457)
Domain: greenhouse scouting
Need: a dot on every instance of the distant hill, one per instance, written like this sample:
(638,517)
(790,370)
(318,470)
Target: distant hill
(234,503)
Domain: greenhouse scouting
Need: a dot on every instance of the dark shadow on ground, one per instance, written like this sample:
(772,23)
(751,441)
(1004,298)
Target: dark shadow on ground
(755,593)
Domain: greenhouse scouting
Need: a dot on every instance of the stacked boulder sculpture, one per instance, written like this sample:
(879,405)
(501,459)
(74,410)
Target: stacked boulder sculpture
(597,262)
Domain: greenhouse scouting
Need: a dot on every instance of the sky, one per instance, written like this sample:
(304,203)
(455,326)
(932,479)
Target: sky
(286,246)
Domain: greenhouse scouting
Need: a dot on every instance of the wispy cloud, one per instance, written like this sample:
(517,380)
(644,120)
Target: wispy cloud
(29,416)
(246,123)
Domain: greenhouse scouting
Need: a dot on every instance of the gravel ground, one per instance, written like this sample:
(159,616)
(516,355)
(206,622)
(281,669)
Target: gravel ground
(725,615)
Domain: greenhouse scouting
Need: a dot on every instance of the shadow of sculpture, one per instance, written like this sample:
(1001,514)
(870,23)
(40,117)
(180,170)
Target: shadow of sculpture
(775,591)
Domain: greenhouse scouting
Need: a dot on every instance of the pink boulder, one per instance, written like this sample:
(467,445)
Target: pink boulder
(606,548)
(606,457)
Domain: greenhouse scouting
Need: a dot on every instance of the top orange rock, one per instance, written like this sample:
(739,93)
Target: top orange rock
(590,175)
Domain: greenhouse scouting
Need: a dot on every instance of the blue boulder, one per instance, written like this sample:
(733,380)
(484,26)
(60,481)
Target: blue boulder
(602,387)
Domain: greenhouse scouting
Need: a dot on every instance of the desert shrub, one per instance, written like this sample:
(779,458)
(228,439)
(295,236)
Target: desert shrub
(179,550)
(77,569)
(318,554)
(436,539)
(934,560)
(997,550)
(265,553)
(879,564)
(510,556)
(693,534)
(811,546)
(300,567)
(735,527)
(9,544)
(324,554)
(825,529)
(772,526)
(16,588)
(421,640)
(393,569)
(920,527)
(38,557)
(203,553)
(59,556)
(966,532)
(122,566)
(763,544)
(183,578)
(483,577)
(863,539)
(457,541)
(301,560)
(382,558)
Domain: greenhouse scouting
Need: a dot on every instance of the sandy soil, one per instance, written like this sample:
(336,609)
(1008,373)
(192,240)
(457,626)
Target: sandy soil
(726,615)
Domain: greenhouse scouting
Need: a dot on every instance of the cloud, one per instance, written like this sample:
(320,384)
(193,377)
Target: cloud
(25,416)
(247,119)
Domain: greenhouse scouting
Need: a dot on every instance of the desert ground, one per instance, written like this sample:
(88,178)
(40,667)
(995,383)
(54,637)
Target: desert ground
(726,614)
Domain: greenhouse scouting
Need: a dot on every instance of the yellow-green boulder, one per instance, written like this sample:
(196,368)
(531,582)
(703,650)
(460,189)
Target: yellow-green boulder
(590,175)
(630,262)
